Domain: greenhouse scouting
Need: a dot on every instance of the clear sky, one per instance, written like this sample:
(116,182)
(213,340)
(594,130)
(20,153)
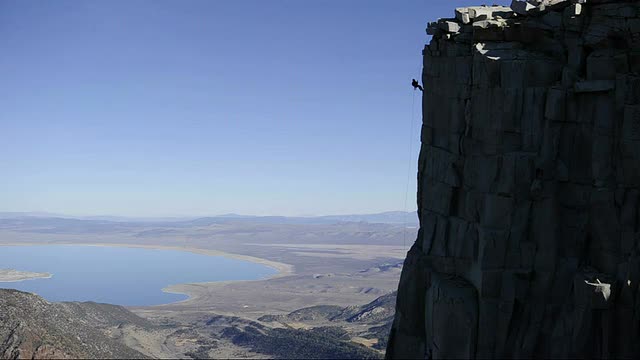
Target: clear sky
(184,108)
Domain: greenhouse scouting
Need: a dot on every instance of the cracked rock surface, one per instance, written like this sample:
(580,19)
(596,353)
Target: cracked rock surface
(528,186)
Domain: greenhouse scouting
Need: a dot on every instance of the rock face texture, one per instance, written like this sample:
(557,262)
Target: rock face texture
(528,186)
(32,328)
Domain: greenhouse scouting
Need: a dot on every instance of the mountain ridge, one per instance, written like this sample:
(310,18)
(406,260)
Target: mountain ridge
(387,217)
(31,327)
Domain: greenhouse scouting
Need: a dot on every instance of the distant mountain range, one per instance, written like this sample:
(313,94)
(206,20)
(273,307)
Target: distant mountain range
(389,217)
(16,215)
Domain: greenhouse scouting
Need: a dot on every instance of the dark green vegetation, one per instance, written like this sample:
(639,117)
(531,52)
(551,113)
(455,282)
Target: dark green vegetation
(377,316)
(379,310)
(31,327)
(329,335)
(381,333)
(316,343)
(312,313)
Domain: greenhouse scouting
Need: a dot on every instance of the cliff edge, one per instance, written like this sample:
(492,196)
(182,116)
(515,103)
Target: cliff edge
(528,186)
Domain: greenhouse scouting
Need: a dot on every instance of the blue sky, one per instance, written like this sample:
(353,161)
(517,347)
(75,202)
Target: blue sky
(172,108)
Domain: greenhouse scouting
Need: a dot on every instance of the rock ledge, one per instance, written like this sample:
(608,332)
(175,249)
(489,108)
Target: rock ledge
(528,186)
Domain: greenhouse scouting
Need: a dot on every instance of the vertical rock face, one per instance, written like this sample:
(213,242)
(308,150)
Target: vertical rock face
(528,186)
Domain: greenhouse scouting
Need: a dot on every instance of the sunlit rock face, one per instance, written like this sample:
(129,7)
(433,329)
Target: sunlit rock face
(528,186)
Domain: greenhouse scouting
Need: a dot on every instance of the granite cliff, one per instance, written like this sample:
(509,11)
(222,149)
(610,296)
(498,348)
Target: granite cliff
(528,186)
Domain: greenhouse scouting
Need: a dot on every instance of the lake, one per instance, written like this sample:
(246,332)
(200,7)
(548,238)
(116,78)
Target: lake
(119,275)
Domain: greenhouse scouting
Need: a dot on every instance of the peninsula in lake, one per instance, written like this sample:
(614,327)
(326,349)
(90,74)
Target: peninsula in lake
(10,275)
(322,287)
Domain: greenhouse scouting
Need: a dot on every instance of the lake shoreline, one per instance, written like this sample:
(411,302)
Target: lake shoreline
(14,275)
(281,268)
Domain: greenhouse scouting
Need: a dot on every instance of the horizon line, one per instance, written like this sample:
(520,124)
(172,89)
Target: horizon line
(53,214)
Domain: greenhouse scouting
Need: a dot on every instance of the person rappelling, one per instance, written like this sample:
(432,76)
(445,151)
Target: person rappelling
(416,85)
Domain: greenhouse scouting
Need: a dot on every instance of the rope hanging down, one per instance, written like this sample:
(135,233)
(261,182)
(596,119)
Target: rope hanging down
(406,191)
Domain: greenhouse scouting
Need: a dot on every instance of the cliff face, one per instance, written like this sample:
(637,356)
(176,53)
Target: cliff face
(528,186)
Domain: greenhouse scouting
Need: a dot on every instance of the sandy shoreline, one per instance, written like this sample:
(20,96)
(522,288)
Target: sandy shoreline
(281,268)
(13,275)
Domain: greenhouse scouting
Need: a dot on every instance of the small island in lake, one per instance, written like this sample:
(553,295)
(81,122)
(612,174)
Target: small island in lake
(10,275)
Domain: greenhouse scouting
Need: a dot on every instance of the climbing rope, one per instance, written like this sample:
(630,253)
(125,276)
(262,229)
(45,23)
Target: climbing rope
(406,191)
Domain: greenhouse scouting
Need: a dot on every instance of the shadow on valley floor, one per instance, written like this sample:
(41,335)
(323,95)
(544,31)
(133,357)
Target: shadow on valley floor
(311,312)
(30,327)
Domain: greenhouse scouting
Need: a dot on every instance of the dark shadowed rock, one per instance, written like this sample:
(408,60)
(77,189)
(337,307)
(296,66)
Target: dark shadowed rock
(528,186)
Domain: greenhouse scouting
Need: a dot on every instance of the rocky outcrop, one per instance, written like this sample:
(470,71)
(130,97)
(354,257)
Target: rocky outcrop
(32,328)
(528,186)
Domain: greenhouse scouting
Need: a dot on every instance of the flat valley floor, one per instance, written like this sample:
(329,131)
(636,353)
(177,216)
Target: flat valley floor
(328,273)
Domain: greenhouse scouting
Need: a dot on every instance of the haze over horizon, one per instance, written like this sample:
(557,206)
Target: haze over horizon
(79,215)
(162,109)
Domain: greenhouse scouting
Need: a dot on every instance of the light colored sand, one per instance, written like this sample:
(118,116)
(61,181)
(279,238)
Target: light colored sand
(359,252)
(11,275)
(365,342)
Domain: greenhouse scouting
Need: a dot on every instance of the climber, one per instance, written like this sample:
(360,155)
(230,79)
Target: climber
(415,85)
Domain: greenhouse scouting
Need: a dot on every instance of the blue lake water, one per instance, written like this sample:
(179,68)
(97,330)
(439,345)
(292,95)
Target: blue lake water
(119,275)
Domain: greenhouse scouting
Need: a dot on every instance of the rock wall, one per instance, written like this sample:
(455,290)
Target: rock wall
(528,186)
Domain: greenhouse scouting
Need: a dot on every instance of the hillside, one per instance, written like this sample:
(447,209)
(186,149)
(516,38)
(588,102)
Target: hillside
(380,309)
(31,327)
(370,321)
